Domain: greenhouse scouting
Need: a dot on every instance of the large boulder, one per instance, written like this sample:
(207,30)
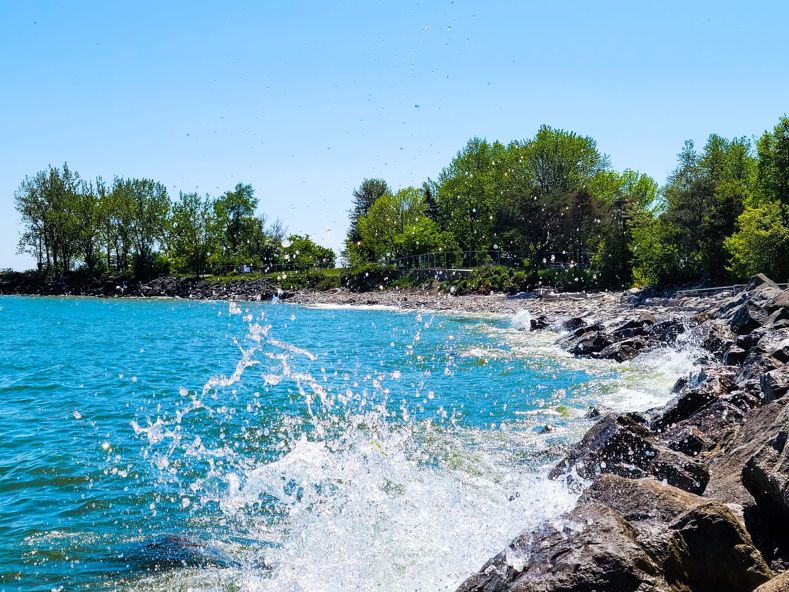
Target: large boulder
(715,336)
(775,383)
(748,317)
(591,343)
(698,543)
(711,551)
(690,400)
(766,476)
(779,583)
(589,549)
(620,445)
(627,349)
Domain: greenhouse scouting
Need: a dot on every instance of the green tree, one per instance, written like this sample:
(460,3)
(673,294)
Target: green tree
(301,252)
(192,232)
(145,207)
(761,243)
(364,197)
(627,197)
(467,193)
(235,213)
(397,225)
(701,201)
(49,204)
(773,167)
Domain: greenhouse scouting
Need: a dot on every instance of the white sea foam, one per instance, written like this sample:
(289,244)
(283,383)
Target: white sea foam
(522,320)
(364,503)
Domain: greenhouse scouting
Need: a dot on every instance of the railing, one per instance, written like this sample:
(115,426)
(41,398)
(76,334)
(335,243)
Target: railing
(246,269)
(471,259)
(734,288)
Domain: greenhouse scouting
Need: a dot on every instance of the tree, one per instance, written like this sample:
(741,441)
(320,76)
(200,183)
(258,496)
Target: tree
(700,203)
(761,243)
(397,226)
(467,193)
(627,197)
(301,252)
(773,167)
(364,197)
(192,232)
(49,204)
(235,213)
(139,211)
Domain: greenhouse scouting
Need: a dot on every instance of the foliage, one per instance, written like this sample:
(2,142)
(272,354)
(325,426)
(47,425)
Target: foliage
(569,279)
(132,226)
(368,276)
(773,167)
(761,243)
(301,252)
(192,233)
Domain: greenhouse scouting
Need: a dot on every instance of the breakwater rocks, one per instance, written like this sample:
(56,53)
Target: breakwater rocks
(693,496)
(162,287)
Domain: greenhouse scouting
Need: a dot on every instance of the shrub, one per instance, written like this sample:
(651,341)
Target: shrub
(367,277)
(761,243)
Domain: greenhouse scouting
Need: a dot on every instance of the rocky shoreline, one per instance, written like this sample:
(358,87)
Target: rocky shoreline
(692,496)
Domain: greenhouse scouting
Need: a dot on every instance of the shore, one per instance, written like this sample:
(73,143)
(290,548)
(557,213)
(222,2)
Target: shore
(691,496)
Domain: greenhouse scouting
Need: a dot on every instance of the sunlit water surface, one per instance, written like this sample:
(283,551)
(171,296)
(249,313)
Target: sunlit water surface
(316,449)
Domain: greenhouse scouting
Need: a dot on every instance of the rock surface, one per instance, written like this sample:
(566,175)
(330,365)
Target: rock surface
(693,496)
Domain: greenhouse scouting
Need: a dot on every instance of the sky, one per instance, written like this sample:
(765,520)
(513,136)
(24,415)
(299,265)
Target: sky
(304,99)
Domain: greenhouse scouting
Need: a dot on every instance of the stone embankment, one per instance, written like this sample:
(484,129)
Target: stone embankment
(693,496)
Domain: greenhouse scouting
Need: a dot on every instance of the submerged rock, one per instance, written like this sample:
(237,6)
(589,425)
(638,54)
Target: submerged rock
(172,552)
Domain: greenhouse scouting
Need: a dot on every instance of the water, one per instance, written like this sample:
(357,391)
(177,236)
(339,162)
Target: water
(315,449)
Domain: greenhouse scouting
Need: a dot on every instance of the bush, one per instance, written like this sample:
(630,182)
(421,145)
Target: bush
(315,279)
(490,278)
(367,277)
(761,243)
(568,279)
(146,268)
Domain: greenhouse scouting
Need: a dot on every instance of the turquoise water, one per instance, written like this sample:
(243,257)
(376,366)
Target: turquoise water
(312,449)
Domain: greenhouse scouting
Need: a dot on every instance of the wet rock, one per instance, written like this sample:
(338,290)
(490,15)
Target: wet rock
(622,351)
(715,336)
(539,323)
(690,400)
(591,344)
(712,551)
(676,529)
(775,384)
(755,365)
(747,317)
(666,332)
(734,355)
(766,476)
(617,444)
(590,548)
(573,324)
(592,413)
(631,328)
(761,282)
(775,344)
(594,327)
(688,440)
(778,302)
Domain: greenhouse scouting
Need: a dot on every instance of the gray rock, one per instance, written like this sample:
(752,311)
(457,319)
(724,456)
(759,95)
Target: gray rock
(589,549)
(775,383)
(617,444)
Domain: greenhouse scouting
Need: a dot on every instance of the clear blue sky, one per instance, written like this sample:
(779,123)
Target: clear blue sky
(303,99)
